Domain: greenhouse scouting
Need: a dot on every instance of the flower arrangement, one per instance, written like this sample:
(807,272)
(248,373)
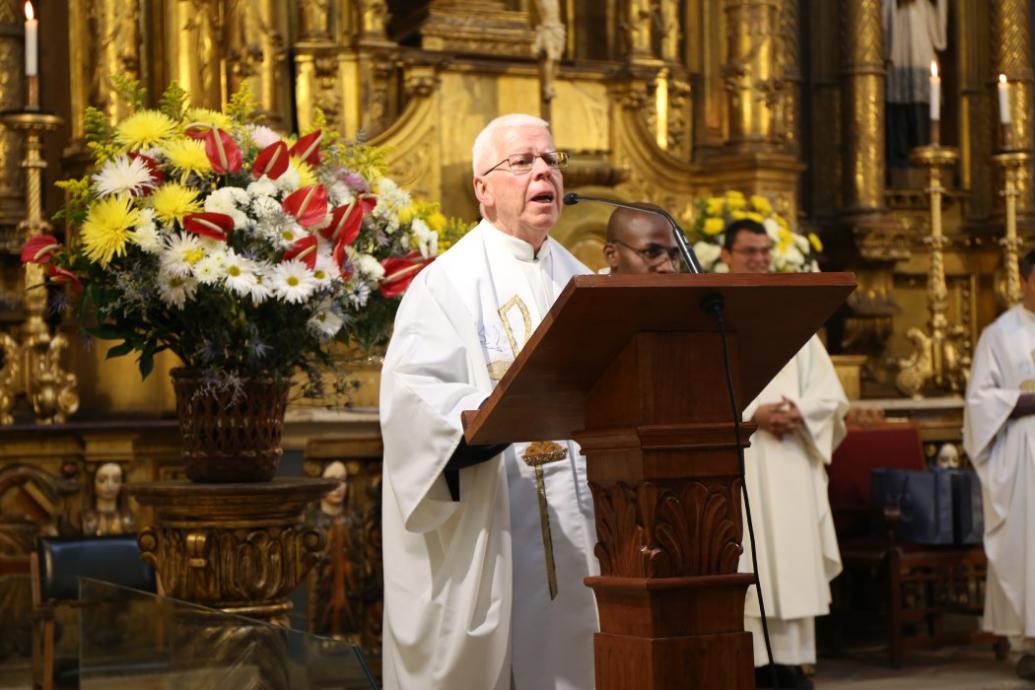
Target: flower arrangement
(239,249)
(792,252)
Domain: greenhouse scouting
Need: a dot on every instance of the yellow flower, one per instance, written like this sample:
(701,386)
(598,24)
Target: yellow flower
(737,215)
(757,217)
(208,117)
(714,205)
(436,221)
(107,228)
(144,129)
(814,241)
(187,155)
(713,226)
(174,201)
(735,201)
(406,215)
(761,204)
(306,176)
(785,239)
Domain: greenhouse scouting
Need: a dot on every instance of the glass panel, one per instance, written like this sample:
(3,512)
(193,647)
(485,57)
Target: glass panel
(133,639)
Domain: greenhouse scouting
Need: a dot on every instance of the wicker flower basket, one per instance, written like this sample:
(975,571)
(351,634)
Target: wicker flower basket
(230,436)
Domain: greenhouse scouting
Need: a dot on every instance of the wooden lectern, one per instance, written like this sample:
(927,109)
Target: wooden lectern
(632,369)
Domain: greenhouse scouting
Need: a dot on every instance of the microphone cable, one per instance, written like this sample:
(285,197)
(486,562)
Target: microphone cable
(715,306)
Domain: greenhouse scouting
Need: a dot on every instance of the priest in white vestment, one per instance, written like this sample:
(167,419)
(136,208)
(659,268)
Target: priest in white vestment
(999,437)
(484,551)
(800,418)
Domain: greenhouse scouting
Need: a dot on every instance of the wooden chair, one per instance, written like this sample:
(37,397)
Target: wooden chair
(56,566)
(919,583)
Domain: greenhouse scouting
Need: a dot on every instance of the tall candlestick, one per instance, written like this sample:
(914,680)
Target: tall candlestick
(936,92)
(31,42)
(1003,87)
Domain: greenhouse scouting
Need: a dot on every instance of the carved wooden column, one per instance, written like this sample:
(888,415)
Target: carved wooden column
(752,80)
(1011,45)
(789,113)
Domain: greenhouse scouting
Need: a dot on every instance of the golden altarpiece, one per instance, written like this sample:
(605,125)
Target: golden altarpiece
(661,100)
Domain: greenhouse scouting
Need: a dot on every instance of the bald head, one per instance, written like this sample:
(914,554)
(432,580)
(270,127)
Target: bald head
(640,242)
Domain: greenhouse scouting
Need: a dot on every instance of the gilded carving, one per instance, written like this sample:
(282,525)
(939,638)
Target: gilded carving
(315,18)
(1011,29)
(667,529)
(257,54)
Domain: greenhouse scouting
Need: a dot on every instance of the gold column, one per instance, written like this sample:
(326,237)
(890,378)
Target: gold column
(637,29)
(862,91)
(11,98)
(978,116)
(1011,30)
(257,38)
(317,83)
(790,69)
(752,82)
(193,54)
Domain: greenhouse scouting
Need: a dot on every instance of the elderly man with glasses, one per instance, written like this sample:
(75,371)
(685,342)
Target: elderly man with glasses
(485,548)
(800,418)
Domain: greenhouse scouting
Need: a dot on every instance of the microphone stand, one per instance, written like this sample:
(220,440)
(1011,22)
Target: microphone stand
(685,251)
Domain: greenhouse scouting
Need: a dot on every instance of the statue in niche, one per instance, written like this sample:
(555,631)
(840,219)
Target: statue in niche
(549,48)
(110,513)
(335,593)
(913,31)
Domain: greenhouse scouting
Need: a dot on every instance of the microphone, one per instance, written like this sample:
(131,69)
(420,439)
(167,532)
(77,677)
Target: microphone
(689,258)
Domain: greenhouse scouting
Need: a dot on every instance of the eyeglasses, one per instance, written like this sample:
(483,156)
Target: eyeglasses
(754,251)
(521,163)
(653,253)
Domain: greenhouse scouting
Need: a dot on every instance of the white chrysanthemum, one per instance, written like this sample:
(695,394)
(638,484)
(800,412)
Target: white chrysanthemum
(325,322)
(262,187)
(265,206)
(181,253)
(145,235)
(814,266)
(772,228)
(289,181)
(326,270)
(426,238)
(289,234)
(721,267)
(390,202)
(292,281)
(339,194)
(262,136)
(260,289)
(121,175)
(175,290)
(801,242)
(229,201)
(209,270)
(359,293)
(238,273)
(369,267)
(707,254)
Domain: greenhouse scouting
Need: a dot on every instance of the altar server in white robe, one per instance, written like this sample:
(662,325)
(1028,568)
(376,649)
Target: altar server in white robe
(800,418)
(483,590)
(999,437)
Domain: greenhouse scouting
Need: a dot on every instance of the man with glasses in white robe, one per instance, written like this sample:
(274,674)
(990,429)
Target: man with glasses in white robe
(485,548)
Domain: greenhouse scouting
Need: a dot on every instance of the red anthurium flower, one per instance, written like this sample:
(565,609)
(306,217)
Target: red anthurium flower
(308,148)
(39,249)
(304,250)
(62,276)
(347,220)
(214,225)
(400,272)
(222,151)
(341,258)
(308,205)
(272,161)
(152,167)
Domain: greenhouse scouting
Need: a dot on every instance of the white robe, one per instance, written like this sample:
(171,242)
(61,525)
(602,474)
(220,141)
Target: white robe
(1002,451)
(794,529)
(913,31)
(467,605)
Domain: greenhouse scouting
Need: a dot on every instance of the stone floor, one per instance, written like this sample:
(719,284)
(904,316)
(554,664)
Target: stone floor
(970,667)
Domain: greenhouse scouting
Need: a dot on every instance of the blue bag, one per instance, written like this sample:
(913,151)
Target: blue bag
(924,499)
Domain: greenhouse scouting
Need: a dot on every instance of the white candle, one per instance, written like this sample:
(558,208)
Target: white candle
(1004,99)
(936,92)
(31,51)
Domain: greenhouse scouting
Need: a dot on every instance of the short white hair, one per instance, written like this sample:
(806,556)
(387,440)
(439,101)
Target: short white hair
(484,150)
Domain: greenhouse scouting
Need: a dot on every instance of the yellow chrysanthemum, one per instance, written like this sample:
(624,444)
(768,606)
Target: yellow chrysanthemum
(174,201)
(187,155)
(737,215)
(406,215)
(734,194)
(436,221)
(144,129)
(106,229)
(714,205)
(814,241)
(785,239)
(306,176)
(757,217)
(208,117)
(735,201)
(713,226)
(761,204)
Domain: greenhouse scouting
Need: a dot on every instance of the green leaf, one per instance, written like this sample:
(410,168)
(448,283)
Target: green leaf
(172,101)
(147,359)
(119,350)
(242,104)
(129,90)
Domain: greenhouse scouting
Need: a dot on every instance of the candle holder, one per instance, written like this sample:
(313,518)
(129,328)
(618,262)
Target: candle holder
(32,357)
(938,360)
(1012,162)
